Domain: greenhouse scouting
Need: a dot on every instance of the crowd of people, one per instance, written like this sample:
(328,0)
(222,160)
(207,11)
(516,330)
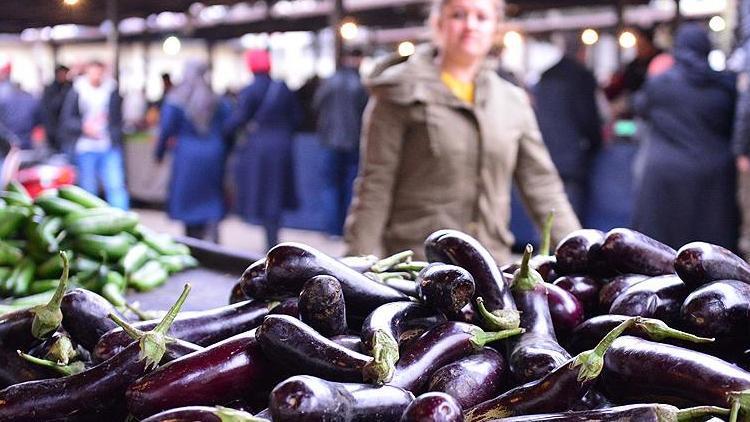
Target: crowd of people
(435,140)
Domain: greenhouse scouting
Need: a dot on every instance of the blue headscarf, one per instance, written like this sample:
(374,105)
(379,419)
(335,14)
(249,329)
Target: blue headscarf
(691,48)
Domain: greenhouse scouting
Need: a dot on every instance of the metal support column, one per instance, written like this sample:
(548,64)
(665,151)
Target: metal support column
(113,37)
(334,20)
(620,12)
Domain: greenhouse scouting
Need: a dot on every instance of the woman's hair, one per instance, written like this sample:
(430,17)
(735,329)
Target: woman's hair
(437,8)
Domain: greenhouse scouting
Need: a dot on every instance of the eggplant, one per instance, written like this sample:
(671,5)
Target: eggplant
(14,369)
(433,407)
(472,379)
(230,370)
(722,310)
(289,265)
(633,412)
(85,316)
(698,263)
(203,414)
(614,287)
(322,307)
(593,400)
(555,392)
(203,328)
(579,252)
(237,294)
(289,306)
(536,352)
(490,284)
(584,288)
(447,288)
(564,308)
(98,391)
(382,333)
(349,341)
(304,398)
(629,251)
(658,297)
(292,344)
(436,348)
(254,283)
(635,368)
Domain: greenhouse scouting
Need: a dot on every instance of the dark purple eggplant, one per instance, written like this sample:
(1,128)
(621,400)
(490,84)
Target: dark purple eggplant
(58,347)
(614,287)
(564,308)
(472,379)
(556,391)
(203,328)
(722,310)
(237,294)
(699,263)
(203,414)
(296,347)
(14,369)
(635,368)
(490,284)
(226,371)
(254,283)
(85,316)
(629,251)
(349,341)
(633,412)
(306,399)
(445,287)
(577,253)
(98,391)
(593,400)
(322,307)
(289,265)
(584,288)
(288,306)
(658,297)
(382,333)
(438,347)
(433,407)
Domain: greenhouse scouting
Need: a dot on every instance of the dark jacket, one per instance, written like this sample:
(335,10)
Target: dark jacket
(71,121)
(52,104)
(340,102)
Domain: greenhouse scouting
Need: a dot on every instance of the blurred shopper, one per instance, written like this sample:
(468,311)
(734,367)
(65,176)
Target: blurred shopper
(566,108)
(19,111)
(52,103)
(444,138)
(270,113)
(91,122)
(340,102)
(194,115)
(686,190)
(629,80)
(741,135)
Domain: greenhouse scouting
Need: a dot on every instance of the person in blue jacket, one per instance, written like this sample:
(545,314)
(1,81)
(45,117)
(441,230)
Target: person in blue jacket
(269,113)
(193,116)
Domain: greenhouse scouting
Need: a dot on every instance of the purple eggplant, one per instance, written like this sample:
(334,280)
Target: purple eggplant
(349,341)
(593,400)
(564,308)
(226,371)
(237,294)
(579,252)
(614,287)
(629,251)
(472,379)
(436,348)
(321,305)
(203,328)
(433,407)
(722,310)
(447,288)
(98,391)
(466,252)
(698,263)
(85,316)
(14,369)
(584,288)
(288,306)
(254,283)
(657,297)
(203,414)
(308,399)
(633,412)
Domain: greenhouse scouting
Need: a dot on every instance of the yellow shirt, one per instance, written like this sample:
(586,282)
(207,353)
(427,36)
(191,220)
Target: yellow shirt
(462,90)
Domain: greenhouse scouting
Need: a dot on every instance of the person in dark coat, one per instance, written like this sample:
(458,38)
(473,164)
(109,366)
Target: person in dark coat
(568,116)
(194,115)
(686,189)
(270,114)
(52,102)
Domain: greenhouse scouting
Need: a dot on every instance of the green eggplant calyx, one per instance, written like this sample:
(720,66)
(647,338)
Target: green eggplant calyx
(64,370)
(385,355)
(592,361)
(227,414)
(700,412)
(48,317)
(658,330)
(480,338)
(386,264)
(500,319)
(526,278)
(547,234)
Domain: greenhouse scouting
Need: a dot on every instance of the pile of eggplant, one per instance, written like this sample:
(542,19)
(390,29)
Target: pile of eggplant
(611,327)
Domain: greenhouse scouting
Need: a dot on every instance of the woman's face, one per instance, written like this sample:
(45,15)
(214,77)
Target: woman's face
(466,28)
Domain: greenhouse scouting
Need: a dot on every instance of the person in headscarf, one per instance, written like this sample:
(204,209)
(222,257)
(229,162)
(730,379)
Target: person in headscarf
(193,116)
(264,178)
(685,189)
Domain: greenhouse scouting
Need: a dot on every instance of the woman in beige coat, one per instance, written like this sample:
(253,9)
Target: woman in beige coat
(443,139)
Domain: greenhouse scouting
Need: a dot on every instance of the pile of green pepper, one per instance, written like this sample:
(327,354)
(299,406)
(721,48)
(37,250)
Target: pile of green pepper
(111,250)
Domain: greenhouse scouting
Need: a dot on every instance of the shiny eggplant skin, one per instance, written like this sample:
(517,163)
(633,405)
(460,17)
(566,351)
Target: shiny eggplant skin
(433,407)
(349,341)
(254,283)
(466,252)
(720,310)
(14,369)
(237,294)
(15,330)
(565,309)
(658,297)
(289,306)
(578,251)
(584,288)
(633,412)
(629,251)
(305,398)
(226,371)
(85,317)
(394,319)
(291,344)
(321,305)
(614,287)
(445,287)
(289,265)
(203,328)
(699,263)
(546,266)
(635,369)
(472,379)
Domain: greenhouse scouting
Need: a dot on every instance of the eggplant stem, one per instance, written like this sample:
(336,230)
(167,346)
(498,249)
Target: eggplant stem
(64,370)
(480,338)
(547,234)
(137,312)
(690,413)
(740,401)
(592,361)
(62,351)
(387,263)
(734,411)
(526,278)
(385,355)
(131,331)
(658,330)
(523,272)
(414,266)
(227,414)
(48,317)
(500,319)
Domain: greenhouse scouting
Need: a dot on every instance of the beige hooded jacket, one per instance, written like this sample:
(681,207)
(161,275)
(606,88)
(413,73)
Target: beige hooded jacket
(430,161)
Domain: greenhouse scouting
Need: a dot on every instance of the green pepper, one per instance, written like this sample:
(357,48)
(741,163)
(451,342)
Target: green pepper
(54,205)
(9,254)
(12,218)
(81,264)
(113,289)
(20,279)
(177,263)
(164,245)
(52,267)
(14,198)
(148,277)
(111,247)
(44,285)
(81,197)
(135,258)
(111,222)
